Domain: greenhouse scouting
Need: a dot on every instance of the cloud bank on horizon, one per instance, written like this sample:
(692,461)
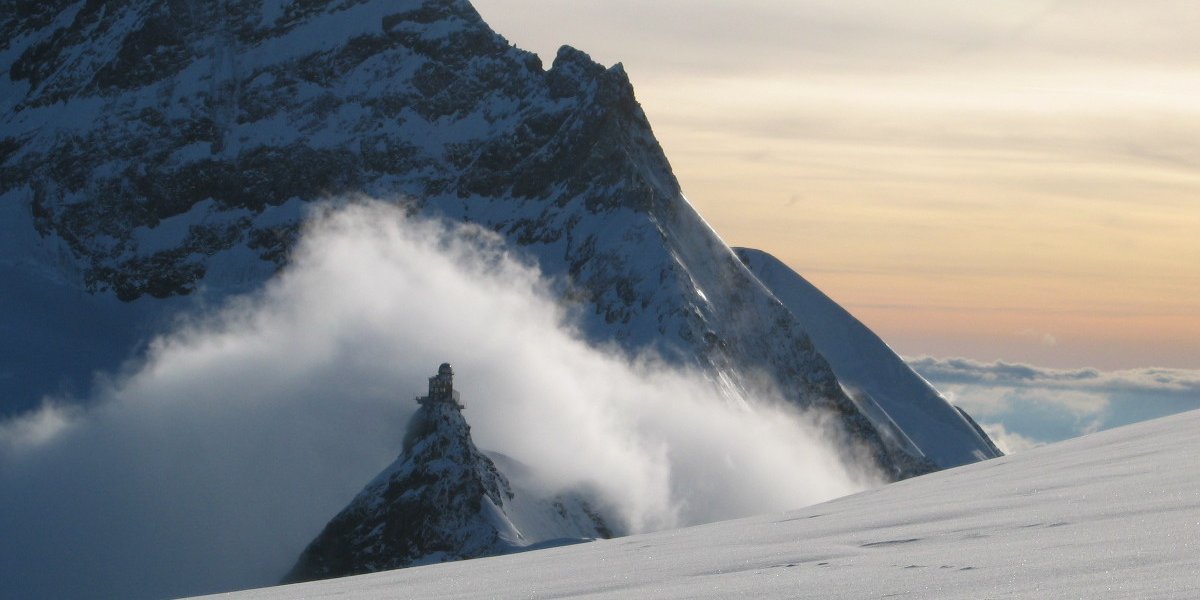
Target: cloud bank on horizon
(1022,405)
(210,465)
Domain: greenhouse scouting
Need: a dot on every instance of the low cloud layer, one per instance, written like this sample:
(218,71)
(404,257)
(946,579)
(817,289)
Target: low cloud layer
(965,370)
(209,465)
(1030,405)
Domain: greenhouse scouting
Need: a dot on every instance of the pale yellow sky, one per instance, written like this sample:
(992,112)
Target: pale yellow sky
(998,179)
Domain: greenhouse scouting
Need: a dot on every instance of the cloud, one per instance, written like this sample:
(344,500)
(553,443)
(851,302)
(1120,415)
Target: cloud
(1008,442)
(35,428)
(993,400)
(965,370)
(211,464)
(1044,339)
(1037,415)
(1045,405)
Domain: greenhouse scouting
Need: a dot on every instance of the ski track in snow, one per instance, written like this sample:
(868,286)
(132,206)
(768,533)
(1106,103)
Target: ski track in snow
(1115,514)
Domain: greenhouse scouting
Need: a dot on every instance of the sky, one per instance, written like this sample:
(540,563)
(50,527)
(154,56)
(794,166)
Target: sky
(1000,180)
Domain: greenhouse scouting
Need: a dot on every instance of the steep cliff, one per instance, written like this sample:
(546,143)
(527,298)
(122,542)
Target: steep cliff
(155,150)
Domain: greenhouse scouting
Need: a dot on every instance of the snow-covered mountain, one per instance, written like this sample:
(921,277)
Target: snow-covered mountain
(152,151)
(898,400)
(1110,515)
(442,500)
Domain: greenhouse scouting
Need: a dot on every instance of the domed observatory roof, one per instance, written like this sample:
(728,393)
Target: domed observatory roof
(441,387)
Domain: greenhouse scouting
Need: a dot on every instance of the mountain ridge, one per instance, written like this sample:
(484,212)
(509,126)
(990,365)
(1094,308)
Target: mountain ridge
(900,402)
(441,500)
(194,172)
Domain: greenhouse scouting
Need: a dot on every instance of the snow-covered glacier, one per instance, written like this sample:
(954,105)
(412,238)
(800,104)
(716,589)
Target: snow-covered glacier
(1111,515)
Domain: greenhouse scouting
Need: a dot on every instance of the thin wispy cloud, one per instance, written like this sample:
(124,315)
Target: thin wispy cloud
(1045,339)
(767,34)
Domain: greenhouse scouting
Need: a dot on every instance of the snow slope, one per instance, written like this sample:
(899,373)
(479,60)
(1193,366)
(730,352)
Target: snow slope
(441,500)
(887,390)
(1115,514)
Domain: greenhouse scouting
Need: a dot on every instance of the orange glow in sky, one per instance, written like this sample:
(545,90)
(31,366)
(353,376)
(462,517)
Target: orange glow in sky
(1002,179)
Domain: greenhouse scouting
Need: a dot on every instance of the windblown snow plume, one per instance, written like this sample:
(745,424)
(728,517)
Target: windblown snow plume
(209,465)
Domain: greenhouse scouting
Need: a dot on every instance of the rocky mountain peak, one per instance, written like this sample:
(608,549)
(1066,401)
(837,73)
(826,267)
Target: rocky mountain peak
(191,169)
(574,72)
(441,500)
(128,114)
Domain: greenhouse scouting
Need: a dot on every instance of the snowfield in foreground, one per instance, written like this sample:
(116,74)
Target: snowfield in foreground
(1115,514)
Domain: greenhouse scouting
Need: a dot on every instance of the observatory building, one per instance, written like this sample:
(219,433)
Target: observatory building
(441,388)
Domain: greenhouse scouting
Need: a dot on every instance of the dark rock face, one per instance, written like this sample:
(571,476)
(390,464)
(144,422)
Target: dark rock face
(442,500)
(161,146)
(427,507)
(181,92)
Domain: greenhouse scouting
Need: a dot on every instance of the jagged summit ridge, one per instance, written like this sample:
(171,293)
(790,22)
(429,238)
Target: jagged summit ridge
(192,171)
(441,500)
(247,109)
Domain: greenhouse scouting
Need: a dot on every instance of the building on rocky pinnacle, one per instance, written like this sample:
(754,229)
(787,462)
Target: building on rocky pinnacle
(441,388)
